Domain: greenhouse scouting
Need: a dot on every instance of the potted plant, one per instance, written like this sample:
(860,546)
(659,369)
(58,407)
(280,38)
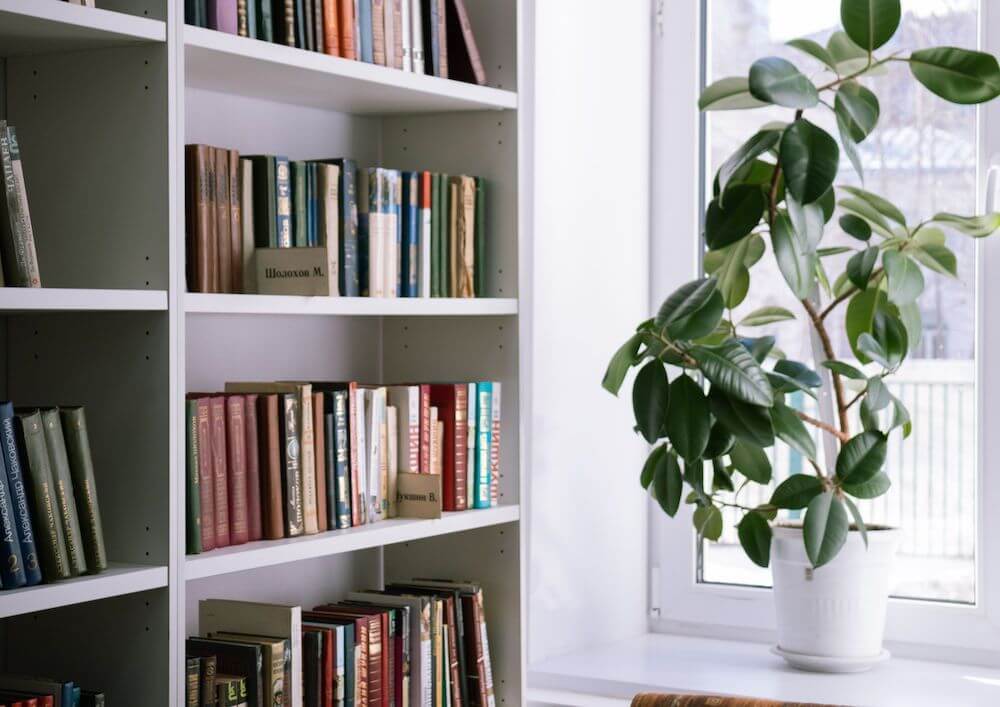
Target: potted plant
(723,402)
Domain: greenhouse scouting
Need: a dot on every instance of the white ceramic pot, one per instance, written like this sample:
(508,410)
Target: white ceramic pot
(832,619)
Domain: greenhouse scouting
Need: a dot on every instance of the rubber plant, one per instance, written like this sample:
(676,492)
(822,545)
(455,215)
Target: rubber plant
(724,400)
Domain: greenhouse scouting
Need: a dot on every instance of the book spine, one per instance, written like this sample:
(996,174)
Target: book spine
(193,542)
(474,658)
(284,209)
(412,230)
(461,432)
(31,438)
(487,662)
(442,38)
(19,240)
(470,42)
(65,502)
(465,237)
(235,221)
(288,23)
(206,474)
(331,28)
(243,28)
(236,467)
(454,647)
(397,279)
(12,567)
(425,429)
(81,468)
(16,466)
(346,23)
(484,434)
(329,187)
(203,250)
(303,25)
(417,36)
(252,29)
(307,461)
(330,462)
(365,37)
(255,528)
(265,20)
(208,672)
(222,213)
(433,61)
(222,16)
(247,223)
(193,682)
(292,466)
(480,229)
(349,285)
(413,417)
(217,418)
(313,203)
(271,454)
(406,27)
(344,458)
(447,236)
(319,38)
(398,60)
(319,459)
(495,446)
(424,268)
(360,482)
(472,419)
(392,459)
(435,235)
(300,226)
(378,32)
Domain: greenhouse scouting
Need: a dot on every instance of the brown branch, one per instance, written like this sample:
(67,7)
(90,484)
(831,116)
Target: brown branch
(855,399)
(842,436)
(838,383)
(833,305)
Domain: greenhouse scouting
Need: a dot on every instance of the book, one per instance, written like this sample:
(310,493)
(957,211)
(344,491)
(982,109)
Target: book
(347,226)
(265,20)
(15,466)
(417,35)
(312,667)
(236,469)
(270,456)
(363,12)
(483,446)
(319,442)
(196,13)
(411,223)
(329,216)
(252,29)
(378,32)
(495,446)
(424,237)
(464,62)
(451,401)
(235,221)
(313,204)
(300,14)
(464,236)
(202,248)
(330,459)
(406,27)
(63,485)
(359,442)
(192,535)
(222,15)
(17,239)
(206,473)
(208,673)
(300,197)
(346,25)
(265,200)
(237,660)
(417,639)
(223,233)
(12,567)
(480,256)
(472,421)
(379,229)
(392,460)
(255,529)
(220,474)
(276,659)
(309,20)
(284,202)
(437,432)
(341,402)
(331,27)
(61,693)
(247,222)
(375,417)
(291,469)
(192,682)
(81,468)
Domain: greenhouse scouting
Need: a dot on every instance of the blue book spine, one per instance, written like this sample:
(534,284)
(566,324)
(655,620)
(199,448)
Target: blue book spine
(484,439)
(435,40)
(411,228)
(67,693)
(11,562)
(363,253)
(342,459)
(349,285)
(13,459)
(365,30)
(284,210)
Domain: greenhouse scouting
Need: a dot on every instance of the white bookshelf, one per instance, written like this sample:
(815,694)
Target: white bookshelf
(104,101)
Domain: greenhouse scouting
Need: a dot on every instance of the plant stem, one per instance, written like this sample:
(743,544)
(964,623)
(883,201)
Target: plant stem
(823,426)
(833,305)
(855,399)
(838,383)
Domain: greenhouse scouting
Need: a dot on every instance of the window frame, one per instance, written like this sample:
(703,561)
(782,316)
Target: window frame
(678,604)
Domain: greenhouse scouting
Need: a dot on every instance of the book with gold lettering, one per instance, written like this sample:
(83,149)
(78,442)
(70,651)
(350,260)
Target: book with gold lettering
(15,464)
(81,468)
(65,500)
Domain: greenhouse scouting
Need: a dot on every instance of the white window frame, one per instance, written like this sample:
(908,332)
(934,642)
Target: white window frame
(971,633)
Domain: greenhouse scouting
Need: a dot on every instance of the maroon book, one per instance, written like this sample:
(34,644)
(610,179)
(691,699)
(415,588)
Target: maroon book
(378,647)
(452,402)
(236,462)
(269,458)
(206,481)
(254,520)
(217,419)
(368,674)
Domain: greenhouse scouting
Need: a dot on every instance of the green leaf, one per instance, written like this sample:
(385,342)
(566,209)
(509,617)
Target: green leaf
(757,145)
(807,220)
(731,367)
(708,522)
(650,394)
(755,537)
(873,488)
(751,461)
(825,528)
(975,226)
(870,23)
(649,468)
(744,206)
(759,347)
(694,474)
(848,55)
(685,300)
(822,278)
(909,314)
(834,250)
(766,315)
(668,484)
(795,261)
(828,203)
(815,50)
(747,422)
(858,108)
(796,491)
(720,441)
(856,227)
(699,323)
(792,431)
(877,395)
(860,266)
(775,80)
(850,147)
(901,417)
(844,369)
(880,204)
(861,458)
(868,345)
(731,93)
(722,480)
(860,317)
(860,207)
(890,333)
(938,258)
(906,282)
(624,358)
(688,419)
(809,158)
(869,418)
(858,520)
(799,372)
(957,75)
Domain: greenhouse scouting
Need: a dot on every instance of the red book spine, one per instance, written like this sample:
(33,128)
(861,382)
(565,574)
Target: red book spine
(236,447)
(461,446)
(254,520)
(206,478)
(425,429)
(452,402)
(383,619)
(329,676)
(346,27)
(217,414)
(353,422)
(331,28)
(319,445)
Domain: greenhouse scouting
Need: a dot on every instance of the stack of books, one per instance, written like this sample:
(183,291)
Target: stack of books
(49,516)
(421,36)
(382,232)
(17,240)
(274,460)
(419,642)
(24,691)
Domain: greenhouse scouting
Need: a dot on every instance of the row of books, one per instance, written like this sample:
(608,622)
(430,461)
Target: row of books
(49,515)
(420,36)
(17,240)
(419,642)
(274,460)
(374,232)
(24,691)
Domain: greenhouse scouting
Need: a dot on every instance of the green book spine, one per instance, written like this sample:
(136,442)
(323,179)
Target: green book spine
(435,234)
(265,201)
(81,468)
(480,253)
(55,561)
(66,504)
(252,31)
(193,481)
(300,204)
(445,238)
(300,25)
(265,25)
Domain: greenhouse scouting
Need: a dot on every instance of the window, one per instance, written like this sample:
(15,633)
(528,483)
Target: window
(923,155)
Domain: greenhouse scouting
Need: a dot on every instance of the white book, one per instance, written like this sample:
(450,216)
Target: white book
(392,459)
(361,492)
(425,236)
(393,231)
(375,418)
(329,229)
(407,34)
(357,28)
(406,400)
(373,197)
(470,443)
(435,442)
(416,36)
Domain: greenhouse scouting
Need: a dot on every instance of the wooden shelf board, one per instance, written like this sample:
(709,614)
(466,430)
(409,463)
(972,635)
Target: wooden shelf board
(44,26)
(348,306)
(56,299)
(117,580)
(229,64)
(266,553)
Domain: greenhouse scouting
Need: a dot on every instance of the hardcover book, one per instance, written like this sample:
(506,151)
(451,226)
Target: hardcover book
(464,62)
(451,400)
(220,473)
(206,473)
(81,469)
(236,468)
(55,444)
(319,443)
(252,447)
(223,232)
(495,446)
(17,240)
(12,566)
(193,542)
(271,455)
(483,446)
(15,464)
(202,248)
(284,202)
(265,200)
(49,528)
(235,221)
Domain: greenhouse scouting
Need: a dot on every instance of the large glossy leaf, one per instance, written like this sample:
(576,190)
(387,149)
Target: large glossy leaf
(623,359)
(759,347)
(722,478)
(938,258)
(809,158)
(796,491)
(858,108)
(720,441)
(859,522)
(688,419)
(856,227)
(906,282)
(649,468)
(848,55)
(776,80)
(880,204)
(870,23)
(870,347)
(753,251)
(650,394)
(807,220)
(975,226)
(957,75)
(708,522)
(744,206)
(844,369)
(747,422)
(734,275)
(890,333)
(791,430)
(850,147)
(860,317)
(862,208)
(860,266)
(730,93)
(825,528)
(751,461)
(795,261)
(757,145)
(755,537)
(815,50)
(668,484)
(909,314)
(877,394)
(699,323)
(873,488)
(685,300)
(731,367)
(861,458)
(766,315)
(799,372)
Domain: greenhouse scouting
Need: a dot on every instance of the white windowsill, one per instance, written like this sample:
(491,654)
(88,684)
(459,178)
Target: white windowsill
(664,663)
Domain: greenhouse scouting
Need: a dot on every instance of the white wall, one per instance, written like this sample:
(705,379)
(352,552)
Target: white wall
(586,511)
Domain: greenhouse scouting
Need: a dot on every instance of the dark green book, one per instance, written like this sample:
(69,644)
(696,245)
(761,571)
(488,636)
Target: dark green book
(309,39)
(480,251)
(196,13)
(291,472)
(48,528)
(81,468)
(55,443)
(300,24)
(300,204)
(193,485)
(265,201)
(444,240)
(435,234)
(265,23)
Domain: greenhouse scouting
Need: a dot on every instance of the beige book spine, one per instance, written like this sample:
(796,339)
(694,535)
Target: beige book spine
(246,221)
(329,186)
(308,451)
(466,237)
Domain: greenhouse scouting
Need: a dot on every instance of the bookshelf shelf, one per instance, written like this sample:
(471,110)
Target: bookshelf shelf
(248,67)
(117,580)
(43,26)
(54,299)
(347,306)
(266,553)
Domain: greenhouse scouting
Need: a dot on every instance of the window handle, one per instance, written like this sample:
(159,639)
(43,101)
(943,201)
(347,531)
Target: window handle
(992,182)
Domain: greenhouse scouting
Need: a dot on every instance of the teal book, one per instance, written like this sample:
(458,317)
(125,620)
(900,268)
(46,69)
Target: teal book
(364,29)
(300,200)
(283,183)
(300,25)
(265,24)
(251,19)
(484,435)
(265,201)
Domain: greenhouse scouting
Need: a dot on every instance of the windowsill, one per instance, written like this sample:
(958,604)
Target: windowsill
(664,663)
